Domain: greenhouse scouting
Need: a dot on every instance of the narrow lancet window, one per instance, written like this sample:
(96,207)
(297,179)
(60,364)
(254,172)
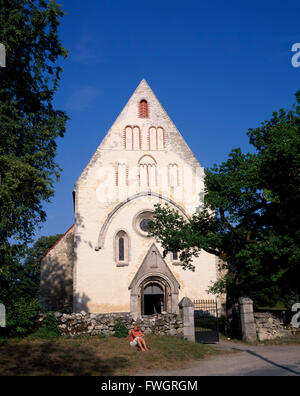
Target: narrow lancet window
(143,109)
(122,249)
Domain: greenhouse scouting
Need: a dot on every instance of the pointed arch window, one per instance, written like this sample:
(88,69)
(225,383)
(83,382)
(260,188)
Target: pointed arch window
(143,109)
(122,249)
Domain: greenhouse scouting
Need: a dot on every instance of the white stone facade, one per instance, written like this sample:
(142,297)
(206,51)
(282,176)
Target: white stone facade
(143,160)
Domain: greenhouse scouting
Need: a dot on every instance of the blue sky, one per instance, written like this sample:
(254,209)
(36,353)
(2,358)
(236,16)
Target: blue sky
(217,67)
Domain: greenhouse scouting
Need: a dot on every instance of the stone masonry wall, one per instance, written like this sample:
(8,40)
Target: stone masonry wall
(93,324)
(269,327)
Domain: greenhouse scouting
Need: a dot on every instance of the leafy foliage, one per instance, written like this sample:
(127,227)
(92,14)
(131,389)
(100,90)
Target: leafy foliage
(22,315)
(120,330)
(29,124)
(49,329)
(250,216)
(29,129)
(22,286)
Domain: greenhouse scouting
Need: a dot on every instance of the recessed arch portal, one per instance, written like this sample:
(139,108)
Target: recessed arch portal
(154,280)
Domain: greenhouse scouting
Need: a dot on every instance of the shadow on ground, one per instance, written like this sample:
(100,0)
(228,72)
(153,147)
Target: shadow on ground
(50,358)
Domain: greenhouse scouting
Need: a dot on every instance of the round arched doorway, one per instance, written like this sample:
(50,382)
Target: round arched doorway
(154,296)
(154,299)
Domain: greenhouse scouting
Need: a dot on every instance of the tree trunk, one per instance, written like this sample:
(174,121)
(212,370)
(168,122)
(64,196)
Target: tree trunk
(233,323)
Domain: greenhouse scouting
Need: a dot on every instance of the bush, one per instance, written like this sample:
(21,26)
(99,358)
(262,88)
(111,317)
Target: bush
(49,329)
(120,330)
(22,317)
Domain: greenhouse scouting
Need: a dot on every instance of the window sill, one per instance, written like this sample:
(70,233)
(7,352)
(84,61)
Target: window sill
(122,264)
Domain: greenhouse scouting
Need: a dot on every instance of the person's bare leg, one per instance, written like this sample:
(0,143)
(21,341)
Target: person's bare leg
(140,344)
(145,345)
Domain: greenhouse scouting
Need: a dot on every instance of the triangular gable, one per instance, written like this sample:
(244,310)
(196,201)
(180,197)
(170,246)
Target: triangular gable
(153,264)
(142,91)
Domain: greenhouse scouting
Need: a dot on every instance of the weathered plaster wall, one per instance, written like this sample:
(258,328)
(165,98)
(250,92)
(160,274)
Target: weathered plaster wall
(56,287)
(99,285)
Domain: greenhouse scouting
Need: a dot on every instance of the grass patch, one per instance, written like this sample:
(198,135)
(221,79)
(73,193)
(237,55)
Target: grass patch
(95,356)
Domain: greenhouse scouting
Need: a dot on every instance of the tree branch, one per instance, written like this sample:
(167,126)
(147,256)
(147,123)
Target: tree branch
(225,220)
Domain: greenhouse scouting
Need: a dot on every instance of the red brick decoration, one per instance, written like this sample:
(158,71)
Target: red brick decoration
(143,109)
(147,161)
(158,141)
(117,175)
(132,138)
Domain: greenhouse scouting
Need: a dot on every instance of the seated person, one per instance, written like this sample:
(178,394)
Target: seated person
(138,338)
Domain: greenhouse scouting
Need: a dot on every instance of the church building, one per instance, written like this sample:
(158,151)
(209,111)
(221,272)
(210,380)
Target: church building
(106,262)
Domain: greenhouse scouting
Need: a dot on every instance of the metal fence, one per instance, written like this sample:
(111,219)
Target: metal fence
(206,321)
(206,308)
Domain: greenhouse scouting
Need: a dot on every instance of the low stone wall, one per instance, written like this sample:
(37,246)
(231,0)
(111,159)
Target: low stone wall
(93,324)
(269,327)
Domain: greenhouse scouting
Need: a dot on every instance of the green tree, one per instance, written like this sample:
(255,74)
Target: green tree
(29,128)
(250,216)
(29,124)
(22,286)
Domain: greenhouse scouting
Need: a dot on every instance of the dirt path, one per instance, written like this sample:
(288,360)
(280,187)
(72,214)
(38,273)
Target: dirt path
(258,360)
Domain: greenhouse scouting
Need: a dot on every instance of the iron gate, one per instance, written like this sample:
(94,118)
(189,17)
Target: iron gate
(206,321)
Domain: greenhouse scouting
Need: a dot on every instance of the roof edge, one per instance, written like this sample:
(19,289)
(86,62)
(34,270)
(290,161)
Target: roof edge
(56,243)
